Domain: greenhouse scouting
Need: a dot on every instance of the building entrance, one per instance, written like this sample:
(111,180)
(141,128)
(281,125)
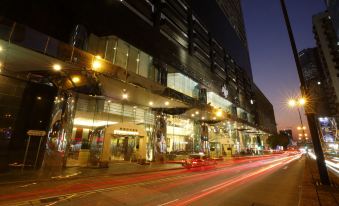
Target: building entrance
(124,147)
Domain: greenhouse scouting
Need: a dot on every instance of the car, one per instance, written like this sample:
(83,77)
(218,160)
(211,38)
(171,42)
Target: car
(198,160)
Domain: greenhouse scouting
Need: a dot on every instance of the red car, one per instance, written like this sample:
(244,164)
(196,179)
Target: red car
(198,160)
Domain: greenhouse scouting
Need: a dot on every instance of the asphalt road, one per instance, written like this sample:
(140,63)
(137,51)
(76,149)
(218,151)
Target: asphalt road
(261,182)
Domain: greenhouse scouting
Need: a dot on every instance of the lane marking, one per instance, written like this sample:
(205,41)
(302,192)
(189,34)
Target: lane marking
(34,183)
(169,202)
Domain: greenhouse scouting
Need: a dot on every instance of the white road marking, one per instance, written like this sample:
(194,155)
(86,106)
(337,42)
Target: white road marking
(168,202)
(34,183)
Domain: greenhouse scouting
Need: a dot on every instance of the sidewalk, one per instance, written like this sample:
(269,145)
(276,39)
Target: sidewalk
(115,168)
(315,194)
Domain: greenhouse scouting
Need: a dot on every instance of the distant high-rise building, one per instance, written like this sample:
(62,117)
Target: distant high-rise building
(286,132)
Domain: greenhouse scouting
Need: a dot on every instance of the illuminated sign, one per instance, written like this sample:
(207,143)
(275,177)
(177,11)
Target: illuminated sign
(224,90)
(126,131)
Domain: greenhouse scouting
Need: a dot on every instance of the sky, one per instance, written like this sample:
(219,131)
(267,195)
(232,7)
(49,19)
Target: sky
(272,61)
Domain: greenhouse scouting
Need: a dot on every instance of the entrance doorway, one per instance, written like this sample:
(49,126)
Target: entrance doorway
(124,147)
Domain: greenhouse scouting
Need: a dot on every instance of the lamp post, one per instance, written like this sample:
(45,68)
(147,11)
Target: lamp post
(298,103)
(310,116)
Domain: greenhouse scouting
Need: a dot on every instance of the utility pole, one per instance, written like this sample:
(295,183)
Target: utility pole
(310,115)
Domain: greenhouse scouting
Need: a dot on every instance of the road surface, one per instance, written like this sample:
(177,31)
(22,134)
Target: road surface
(266,181)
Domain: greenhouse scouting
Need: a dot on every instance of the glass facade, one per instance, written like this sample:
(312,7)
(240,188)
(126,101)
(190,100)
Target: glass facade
(183,84)
(94,117)
(11,91)
(219,102)
(180,135)
(124,55)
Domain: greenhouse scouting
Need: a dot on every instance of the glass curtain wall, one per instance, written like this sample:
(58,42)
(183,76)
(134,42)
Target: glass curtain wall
(125,56)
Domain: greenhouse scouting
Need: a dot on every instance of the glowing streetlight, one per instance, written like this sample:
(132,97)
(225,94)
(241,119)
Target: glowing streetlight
(297,102)
(292,102)
(302,101)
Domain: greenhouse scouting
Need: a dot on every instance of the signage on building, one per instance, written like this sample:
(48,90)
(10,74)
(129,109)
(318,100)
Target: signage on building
(36,133)
(126,131)
(224,90)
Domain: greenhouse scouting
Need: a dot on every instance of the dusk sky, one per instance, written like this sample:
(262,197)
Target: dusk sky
(271,55)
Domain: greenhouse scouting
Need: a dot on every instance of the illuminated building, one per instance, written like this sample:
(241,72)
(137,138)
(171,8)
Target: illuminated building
(137,81)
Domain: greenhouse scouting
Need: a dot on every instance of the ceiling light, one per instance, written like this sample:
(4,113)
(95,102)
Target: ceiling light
(57,67)
(166,103)
(124,96)
(219,113)
(96,65)
(76,79)
(150,103)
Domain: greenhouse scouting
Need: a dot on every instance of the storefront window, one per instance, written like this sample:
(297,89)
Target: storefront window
(94,119)
(180,135)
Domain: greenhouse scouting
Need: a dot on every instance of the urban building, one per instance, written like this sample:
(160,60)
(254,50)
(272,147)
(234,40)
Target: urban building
(328,53)
(333,10)
(287,133)
(124,80)
(314,76)
(233,11)
(320,67)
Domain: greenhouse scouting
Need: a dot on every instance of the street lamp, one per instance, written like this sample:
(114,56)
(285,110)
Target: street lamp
(304,90)
(298,103)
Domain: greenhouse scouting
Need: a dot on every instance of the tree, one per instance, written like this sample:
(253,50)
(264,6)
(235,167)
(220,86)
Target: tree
(278,140)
